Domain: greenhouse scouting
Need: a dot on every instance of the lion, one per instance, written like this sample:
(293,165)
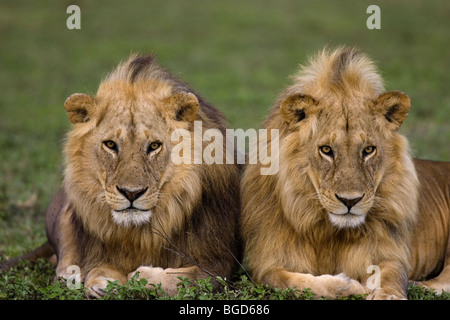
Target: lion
(125,206)
(344,203)
(430,248)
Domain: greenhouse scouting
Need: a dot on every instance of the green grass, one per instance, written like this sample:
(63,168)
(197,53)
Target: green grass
(36,281)
(237,54)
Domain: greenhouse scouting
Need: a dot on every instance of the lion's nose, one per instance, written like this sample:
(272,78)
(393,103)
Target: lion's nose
(349,201)
(131,195)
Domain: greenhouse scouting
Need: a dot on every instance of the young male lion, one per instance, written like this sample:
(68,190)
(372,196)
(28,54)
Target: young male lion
(126,206)
(344,202)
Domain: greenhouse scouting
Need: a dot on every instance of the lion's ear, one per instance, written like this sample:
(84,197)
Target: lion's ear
(79,107)
(297,107)
(393,106)
(183,106)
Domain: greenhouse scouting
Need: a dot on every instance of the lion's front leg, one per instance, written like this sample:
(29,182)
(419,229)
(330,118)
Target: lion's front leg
(393,282)
(97,280)
(168,278)
(329,286)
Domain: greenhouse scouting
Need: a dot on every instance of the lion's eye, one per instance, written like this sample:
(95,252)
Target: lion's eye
(368,151)
(154,146)
(111,145)
(326,150)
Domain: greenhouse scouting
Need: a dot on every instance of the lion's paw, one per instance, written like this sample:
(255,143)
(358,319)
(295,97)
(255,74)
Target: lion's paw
(96,288)
(341,286)
(434,284)
(381,294)
(155,275)
(151,274)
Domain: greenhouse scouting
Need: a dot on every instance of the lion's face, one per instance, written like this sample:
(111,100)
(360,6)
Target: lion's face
(345,163)
(125,154)
(133,158)
(349,145)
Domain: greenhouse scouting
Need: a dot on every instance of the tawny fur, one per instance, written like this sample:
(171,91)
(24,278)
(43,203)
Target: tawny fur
(292,237)
(430,248)
(188,213)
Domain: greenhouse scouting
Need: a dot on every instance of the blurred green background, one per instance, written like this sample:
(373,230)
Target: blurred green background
(237,54)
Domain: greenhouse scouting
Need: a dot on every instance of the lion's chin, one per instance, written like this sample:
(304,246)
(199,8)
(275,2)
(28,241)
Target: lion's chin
(131,217)
(346,220)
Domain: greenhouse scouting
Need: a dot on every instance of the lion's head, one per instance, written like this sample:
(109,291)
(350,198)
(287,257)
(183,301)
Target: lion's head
(127,200)
(342,134)
(119,153)
(345,195)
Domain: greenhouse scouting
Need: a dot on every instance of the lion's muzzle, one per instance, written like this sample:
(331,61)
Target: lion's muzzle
(131,195)
(349,201)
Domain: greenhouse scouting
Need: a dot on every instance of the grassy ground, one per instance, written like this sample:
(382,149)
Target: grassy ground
(237,54)
(36,281)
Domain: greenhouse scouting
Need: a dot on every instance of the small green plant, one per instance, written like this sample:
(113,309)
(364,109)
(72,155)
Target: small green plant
(35,281)
(201,289)
(134,289)
(416,292)
(59,291)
